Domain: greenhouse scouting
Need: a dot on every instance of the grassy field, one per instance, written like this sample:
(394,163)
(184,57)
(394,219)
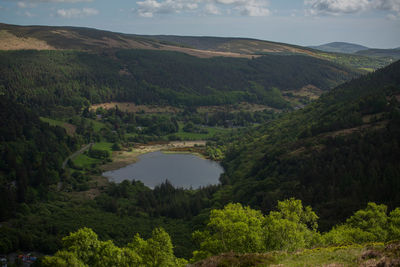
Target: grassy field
(103,146)
(52,122)
(340,256)
(351,255)
(97,126)
(84,161)
(69,128)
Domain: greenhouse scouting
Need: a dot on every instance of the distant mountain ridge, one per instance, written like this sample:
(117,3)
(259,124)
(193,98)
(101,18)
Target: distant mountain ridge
(340,47)
(14,37)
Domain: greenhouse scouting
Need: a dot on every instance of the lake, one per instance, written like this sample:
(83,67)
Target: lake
(182,170)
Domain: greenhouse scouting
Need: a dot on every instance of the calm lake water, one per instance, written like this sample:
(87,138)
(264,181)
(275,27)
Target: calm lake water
(182,170)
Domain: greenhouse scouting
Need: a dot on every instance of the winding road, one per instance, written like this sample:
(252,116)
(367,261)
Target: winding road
(76,153)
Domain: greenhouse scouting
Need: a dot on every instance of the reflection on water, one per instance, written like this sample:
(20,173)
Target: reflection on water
(182,170)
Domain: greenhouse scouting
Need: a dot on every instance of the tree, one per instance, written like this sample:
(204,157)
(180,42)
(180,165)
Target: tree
(116,147)
(157,251)
(83,248)
(291,227)
(63,259)
(372,219)
(235,228)
(244,230)
(367,225)
(394,224)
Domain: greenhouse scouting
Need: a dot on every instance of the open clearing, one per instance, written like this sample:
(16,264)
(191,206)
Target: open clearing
(154,109)
(243,106)
(9,41)
(132,107)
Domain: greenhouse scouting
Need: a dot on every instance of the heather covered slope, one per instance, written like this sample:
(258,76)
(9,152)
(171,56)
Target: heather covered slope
(14,37)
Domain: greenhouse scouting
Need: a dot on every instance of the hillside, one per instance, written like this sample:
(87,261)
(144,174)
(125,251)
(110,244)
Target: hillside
(31,153)
(340,47)
(234,45)
(389,53)
(335,154)
(47,37)
(14,37)
(75,79)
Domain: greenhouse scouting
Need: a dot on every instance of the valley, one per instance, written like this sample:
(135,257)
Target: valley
(305,145)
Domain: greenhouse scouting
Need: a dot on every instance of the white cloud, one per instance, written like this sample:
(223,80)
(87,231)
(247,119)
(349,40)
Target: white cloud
(231,2)
(29,14)
(254,9)
(335,7)
(212,9)
(392,17)
(22,4)
(338,7)
(147,8)
(387,5)
(77,13)
(56,1)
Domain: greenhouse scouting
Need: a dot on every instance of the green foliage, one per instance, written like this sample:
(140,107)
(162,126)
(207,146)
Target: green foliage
(367,225)
(394,224)
(116,147)
(292,210)
(283,234)
(31,156)
(235,228)
(83,248)
(244,230)
(55,80)
(98,153)
(157,250)
(372,219)
(291,227)
(335,154)
(63,259)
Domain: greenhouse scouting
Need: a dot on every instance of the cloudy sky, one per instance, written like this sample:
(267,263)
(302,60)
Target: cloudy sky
(373,23)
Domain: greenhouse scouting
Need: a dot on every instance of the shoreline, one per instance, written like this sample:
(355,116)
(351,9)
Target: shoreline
(122,159)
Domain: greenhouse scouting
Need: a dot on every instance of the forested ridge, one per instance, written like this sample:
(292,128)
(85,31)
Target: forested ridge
(49,79)
(335,154)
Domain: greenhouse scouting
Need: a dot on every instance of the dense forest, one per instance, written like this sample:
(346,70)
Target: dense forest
(66,81)
(31,154)
(335,154)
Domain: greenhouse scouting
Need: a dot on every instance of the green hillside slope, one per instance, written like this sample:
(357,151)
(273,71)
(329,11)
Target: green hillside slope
(31,154)
(336,154)
(388,53)
(75,79)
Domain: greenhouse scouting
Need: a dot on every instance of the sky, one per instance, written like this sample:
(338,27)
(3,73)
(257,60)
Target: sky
(373,23)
